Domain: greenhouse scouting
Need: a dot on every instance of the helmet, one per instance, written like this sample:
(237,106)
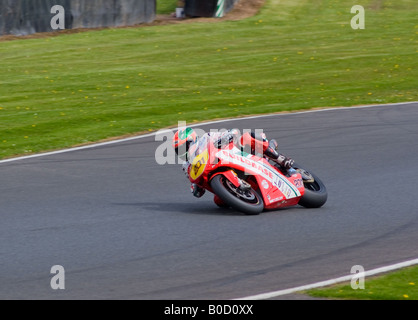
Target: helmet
(182,141)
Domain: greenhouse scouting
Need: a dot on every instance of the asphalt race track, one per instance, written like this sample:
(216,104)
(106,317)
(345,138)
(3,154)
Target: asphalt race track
(124,227)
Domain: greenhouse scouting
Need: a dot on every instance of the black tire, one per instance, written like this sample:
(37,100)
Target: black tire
(316,194)
(250,203)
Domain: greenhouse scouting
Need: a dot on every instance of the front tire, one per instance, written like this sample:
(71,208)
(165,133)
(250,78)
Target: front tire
(248,202)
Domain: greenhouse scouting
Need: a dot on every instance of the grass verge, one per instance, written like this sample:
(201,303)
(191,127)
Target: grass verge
(166,6)
(57,92)
(399,285)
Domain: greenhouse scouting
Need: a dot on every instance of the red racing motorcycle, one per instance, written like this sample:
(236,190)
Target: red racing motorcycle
(250,183)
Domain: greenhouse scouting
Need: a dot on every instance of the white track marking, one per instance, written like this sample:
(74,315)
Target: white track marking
(273,294)
(101,144)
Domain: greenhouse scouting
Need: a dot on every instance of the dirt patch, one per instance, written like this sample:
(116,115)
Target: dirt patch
(376,5)
(242,9)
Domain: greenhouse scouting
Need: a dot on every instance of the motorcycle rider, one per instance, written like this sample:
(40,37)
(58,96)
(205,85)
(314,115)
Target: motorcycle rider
(186,139)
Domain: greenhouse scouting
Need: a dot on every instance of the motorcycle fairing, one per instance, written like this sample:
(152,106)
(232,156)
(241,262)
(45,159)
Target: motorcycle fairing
(273,186)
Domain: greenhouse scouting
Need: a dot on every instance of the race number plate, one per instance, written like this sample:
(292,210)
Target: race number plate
(199,164)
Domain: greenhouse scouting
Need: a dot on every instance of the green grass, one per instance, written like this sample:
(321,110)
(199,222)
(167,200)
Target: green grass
(62,91)
(399,285)
(166,6)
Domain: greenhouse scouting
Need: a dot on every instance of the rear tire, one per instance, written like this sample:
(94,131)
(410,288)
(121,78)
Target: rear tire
(248,202)
(316,194)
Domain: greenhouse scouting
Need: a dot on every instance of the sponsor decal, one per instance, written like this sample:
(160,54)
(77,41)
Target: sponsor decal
(265,184)
(199,165)
(288,190)
(276,199)
(298,183)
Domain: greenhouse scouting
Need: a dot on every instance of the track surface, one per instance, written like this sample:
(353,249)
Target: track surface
(124,227)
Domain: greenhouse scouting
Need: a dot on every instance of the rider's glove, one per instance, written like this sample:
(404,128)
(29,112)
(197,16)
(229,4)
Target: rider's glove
(197,191)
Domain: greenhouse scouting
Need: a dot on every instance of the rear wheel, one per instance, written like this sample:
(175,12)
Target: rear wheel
(316,194)
(247,201)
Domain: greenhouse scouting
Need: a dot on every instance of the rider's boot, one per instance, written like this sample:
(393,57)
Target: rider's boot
(281,160)
(284,161)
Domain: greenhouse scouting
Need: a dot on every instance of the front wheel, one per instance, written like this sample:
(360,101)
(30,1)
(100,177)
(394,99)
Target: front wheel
(316,194)
(246,201)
